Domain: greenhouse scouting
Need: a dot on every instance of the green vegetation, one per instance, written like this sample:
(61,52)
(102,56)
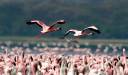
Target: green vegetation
(111,16)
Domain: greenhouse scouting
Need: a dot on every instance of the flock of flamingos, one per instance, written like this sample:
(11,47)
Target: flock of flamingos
(17,62)
(53,27)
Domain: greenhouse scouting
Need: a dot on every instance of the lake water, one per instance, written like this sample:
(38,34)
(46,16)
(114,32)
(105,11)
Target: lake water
(65,48)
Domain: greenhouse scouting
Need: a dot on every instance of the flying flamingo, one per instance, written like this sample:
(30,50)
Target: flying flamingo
(86,31)
(46,28)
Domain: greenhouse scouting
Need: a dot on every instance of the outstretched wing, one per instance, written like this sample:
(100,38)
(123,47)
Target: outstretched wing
(91,29)
(37,22)
(68,32)
(57,22)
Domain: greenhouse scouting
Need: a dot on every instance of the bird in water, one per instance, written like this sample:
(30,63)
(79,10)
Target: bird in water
(85,32)
(46,28)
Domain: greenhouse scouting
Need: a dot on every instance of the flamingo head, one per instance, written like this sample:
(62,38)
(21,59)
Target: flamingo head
(61,21)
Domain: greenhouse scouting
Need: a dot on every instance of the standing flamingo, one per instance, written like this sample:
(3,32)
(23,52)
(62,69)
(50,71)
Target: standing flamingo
(45,28)
(86,31)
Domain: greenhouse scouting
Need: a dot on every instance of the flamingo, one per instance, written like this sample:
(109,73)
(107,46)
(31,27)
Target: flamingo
(86,31)
(46,28)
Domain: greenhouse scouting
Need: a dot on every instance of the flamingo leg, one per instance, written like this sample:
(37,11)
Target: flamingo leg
(38,36)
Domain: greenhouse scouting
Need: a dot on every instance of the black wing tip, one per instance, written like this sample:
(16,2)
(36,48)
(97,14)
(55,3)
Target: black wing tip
(61,21)
(99,32)
(29,23)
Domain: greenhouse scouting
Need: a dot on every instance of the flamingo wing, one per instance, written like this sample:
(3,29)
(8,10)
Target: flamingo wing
(68,32)
(91,29)
(37,22)
(57,22)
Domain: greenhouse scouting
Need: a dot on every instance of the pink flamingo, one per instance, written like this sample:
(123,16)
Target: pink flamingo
(86,31)
(46,28)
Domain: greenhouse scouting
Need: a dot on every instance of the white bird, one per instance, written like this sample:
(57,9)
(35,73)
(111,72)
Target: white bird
(45,28)
(86,31)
